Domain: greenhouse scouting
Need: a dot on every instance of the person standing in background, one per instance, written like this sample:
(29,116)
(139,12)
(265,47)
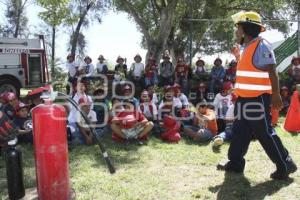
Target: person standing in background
(121,68)
(72,68)
(217,76)
(181,74)
(87,69)
(166,71)
(137,71)
(101,66)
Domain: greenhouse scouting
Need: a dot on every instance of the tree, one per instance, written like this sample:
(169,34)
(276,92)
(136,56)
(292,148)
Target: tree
(16,18)
(83,13)
(217,36)
(54,14)
(154,18)
(164,23)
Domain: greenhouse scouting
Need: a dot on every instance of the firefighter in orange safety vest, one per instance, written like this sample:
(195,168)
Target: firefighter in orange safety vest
(257,88)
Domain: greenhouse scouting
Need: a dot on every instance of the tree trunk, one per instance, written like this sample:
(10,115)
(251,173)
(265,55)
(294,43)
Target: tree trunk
(155,49)
(155,44)
(75,35)
(158,44)
(18,17)
(172,55)
(53,51)
(16,33)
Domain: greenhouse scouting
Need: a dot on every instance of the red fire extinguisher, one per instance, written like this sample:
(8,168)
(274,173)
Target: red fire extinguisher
(51,151)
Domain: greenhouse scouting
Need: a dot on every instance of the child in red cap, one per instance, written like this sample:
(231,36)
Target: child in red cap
(11,103)
(231,71)
(24,123)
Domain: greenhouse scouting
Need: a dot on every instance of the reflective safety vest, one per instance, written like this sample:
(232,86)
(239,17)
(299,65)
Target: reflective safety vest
(251,81)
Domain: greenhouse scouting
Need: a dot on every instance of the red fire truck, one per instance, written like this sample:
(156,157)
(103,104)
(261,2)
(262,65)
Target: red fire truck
(23,64)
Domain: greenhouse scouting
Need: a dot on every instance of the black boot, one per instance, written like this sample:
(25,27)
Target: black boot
(229,168)
(279,175)
(291,166)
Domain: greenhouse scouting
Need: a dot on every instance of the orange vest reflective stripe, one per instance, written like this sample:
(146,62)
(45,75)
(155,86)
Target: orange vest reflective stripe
(251,81)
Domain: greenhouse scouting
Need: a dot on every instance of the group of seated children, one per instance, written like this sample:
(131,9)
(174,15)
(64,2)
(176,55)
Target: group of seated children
(128,118)
(169,118)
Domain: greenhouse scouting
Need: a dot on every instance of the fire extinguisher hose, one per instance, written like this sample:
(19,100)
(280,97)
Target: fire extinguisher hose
(105,155)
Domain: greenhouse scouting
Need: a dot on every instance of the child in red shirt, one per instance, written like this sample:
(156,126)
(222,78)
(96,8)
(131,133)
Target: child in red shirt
(130,124)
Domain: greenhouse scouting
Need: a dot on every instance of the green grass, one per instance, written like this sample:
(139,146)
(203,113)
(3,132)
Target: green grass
(161,171)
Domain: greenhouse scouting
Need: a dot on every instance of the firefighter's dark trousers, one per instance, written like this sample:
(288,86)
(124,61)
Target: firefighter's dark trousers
(253,119)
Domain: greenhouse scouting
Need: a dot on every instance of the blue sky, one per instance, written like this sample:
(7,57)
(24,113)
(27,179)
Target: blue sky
(116,35)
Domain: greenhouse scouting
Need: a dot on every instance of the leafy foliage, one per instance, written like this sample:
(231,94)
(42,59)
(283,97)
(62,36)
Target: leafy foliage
(154,18)
(81,44)
(16,19)
(58,74)
(55,11)
(208,36)
(82,14)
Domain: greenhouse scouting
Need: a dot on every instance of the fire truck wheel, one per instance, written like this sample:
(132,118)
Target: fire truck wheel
(9,86)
